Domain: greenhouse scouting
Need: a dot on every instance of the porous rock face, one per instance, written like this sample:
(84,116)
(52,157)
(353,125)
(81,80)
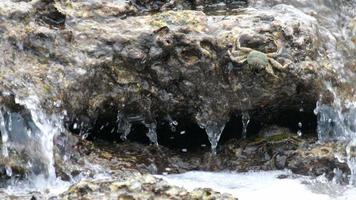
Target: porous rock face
(137,187)
(88,61)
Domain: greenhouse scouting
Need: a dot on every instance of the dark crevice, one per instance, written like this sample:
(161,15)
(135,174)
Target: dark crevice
(48,14)
(188,136)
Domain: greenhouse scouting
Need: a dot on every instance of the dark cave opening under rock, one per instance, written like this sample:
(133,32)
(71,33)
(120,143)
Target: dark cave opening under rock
(187,136)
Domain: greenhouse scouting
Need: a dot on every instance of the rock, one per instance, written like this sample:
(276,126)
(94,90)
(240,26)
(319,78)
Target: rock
(181,63)
(317,160)
(271,151)
(136,187)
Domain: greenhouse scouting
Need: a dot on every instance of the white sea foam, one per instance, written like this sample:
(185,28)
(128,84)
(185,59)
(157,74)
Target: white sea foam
(264,185)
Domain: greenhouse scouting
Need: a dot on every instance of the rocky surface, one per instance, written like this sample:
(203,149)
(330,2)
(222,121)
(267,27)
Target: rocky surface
(274,148)
(138,187)
(107,66)
(181,63)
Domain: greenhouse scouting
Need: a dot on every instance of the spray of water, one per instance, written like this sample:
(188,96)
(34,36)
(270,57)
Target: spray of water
(28,138)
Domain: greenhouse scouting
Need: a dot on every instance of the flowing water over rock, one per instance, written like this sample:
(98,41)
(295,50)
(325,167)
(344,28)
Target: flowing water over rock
(31,132)
(28,139)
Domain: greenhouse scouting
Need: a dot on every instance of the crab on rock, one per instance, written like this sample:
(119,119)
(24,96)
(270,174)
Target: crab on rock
(257,59)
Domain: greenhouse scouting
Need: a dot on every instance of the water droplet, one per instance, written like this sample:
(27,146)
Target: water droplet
(8,171)
(299,133)
(172,138)
(57,103)
(300,125)
(85,135)
(182,132)
(203,145)
(184,150)
(29,132)
(75,126)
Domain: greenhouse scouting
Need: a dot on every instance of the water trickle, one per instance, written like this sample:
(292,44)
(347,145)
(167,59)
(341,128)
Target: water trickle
(4,134)
(351,160)
(123,126)
(213,129)
(151,133)
(245,121)
(48,127)
(27,137)
(336,113)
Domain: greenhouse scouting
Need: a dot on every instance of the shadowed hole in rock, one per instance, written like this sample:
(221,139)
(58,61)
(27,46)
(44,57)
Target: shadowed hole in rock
(48,14)
(187,136)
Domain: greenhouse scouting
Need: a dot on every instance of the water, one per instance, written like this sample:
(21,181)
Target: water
(123,126)
(28,140)
(172,123)
(336,118)
(213,130)
(30,134)
(264,185)
(151,133)
(245,122)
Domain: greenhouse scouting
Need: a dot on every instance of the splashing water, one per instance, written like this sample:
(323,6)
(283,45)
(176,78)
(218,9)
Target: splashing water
(28,139)
(337,32)
(337,118)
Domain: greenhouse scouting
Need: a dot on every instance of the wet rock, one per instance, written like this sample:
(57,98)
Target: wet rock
(136,187)
(319,159)
(266,151)
(183,63)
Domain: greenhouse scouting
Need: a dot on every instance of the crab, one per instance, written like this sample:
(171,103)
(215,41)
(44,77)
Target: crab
(257,59)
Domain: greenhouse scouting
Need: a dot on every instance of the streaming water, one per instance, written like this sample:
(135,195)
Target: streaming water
(151,133)
(28,139)
(213,130)
(28,134)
